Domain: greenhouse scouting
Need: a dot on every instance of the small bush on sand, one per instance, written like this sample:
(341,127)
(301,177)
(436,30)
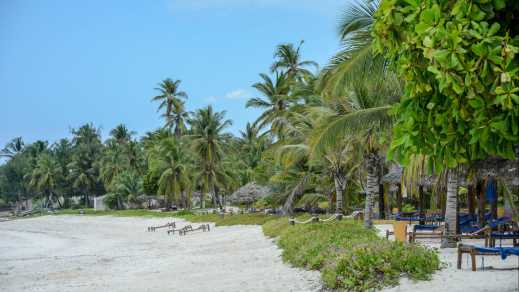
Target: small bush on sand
(350,256)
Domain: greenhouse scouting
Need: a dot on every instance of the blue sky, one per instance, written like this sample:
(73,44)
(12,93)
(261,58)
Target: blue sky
(64,63)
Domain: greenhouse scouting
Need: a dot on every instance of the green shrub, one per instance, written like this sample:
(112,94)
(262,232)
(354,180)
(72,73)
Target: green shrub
(350,256)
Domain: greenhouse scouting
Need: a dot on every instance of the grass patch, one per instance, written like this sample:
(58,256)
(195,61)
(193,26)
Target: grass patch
(237,219)
(228,220)
(349,256)
(118,213)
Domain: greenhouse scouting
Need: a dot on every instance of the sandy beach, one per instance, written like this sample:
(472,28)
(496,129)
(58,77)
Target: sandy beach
(104,253)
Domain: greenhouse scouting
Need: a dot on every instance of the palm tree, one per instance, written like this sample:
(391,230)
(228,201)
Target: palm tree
(288,59)
(208,143)
(127,185)
(169,97)
(121,134)
(177,118)
(12,148)
(361,100)
(171,164)
(275,102)
(112,163)
(83,168)
(45,175)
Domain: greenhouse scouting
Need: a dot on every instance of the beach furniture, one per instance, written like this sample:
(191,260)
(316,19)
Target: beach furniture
(474,251)
(167,225)
(426,231)
(189,228)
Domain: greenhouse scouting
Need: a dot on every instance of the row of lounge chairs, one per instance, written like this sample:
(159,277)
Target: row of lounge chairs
(182,230)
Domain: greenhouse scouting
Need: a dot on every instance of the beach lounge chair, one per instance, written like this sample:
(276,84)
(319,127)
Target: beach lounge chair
(188,228)
(169,224)
(474,251)
(431,231)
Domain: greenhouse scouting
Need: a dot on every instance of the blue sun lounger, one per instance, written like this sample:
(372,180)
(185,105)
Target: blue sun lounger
(474,251)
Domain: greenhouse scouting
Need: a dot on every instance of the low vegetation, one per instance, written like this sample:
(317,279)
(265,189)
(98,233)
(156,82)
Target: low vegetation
(350,256)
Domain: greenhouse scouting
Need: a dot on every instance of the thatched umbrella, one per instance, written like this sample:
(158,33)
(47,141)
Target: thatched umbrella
(249,193)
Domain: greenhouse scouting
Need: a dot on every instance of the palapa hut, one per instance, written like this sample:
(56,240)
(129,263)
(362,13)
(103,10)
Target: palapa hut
(249,193)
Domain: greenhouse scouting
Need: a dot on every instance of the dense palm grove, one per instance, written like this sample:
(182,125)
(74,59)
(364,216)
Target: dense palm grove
(321,139)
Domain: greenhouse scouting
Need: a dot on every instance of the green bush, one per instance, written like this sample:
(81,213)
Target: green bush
(110,201)
(350,256)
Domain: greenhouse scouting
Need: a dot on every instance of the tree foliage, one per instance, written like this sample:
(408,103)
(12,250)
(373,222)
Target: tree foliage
(459,62)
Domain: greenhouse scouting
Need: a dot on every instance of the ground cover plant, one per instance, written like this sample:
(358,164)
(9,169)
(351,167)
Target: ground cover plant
(349,256)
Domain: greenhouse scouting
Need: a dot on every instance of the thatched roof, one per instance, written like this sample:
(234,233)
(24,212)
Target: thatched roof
(507,170)
(249,193)
(394,176)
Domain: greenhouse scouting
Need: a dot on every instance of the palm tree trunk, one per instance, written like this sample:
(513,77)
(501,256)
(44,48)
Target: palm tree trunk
(330,201)
(449,239)
(371,189)
(338,191)
(288,207)
(381,202)
(399,198)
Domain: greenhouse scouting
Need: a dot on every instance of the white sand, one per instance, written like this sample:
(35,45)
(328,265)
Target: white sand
(86,253)
(498,276)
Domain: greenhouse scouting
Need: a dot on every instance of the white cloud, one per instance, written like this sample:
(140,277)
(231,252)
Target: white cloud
(233,95)
(237,94)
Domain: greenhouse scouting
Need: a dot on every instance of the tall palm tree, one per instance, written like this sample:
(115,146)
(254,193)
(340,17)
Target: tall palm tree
(365,93)
(170,162)
(208,143)
(12,148)
(112,163)
(83,168)
(288,59)
(45,175)
(177,118)
(275,102)
(169,97)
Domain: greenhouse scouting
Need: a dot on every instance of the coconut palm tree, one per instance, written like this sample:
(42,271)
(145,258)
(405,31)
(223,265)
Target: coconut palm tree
(170,162)
(12,148)
(288,59)
(45,175)
(208,143)
(361,100)
(177,118)
(127,185)
(275,102)
(83,168)
(170,96)
(121,134)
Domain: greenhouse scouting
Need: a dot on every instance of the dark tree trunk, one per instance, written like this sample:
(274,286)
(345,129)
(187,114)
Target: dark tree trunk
(421,201)
(493,204)
(481,202)
(471,200)
(381,202)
